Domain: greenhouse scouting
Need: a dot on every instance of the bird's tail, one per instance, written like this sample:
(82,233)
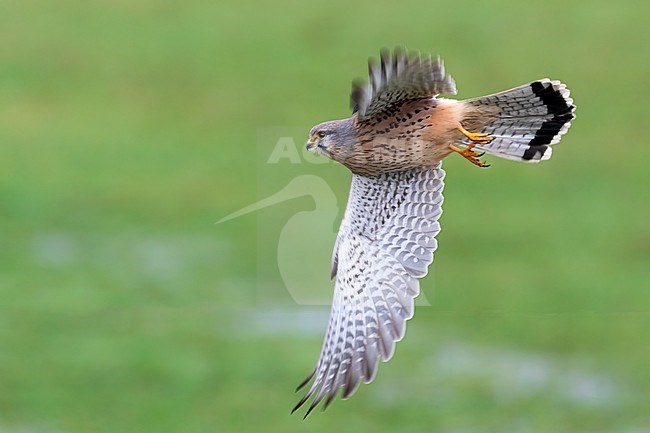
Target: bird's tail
(524,122)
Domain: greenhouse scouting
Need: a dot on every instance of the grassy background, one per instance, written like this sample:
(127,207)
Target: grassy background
(128,127)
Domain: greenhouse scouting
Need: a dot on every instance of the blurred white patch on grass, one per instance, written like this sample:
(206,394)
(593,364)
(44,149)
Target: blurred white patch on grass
(55,250)
(160,268)
(508,376)
(512,374)
(303,321)
(159,260)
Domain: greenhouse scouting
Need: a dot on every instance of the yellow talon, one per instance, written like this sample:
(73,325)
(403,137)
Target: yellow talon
(469,154)
(476,137)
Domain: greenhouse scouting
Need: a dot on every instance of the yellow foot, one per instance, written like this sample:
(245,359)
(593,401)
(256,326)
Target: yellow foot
(469,154)
(476,137)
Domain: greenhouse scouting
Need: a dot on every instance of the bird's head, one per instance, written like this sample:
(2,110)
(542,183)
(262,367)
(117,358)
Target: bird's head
(332,139)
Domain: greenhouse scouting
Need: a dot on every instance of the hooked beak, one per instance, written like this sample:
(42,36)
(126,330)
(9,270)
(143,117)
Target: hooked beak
(317,148)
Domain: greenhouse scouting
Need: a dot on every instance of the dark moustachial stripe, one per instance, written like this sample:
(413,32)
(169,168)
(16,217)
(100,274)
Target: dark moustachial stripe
(561,111)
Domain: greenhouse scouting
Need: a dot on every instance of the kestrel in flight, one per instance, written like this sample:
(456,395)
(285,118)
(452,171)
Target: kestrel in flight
(394,142)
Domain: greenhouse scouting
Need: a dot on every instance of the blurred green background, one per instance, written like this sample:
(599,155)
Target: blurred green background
(127,128)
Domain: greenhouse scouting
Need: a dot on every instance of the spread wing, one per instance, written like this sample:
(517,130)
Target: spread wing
(398,78)
(385,243)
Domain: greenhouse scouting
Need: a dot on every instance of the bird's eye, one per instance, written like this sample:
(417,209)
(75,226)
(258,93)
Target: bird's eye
(322,134)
